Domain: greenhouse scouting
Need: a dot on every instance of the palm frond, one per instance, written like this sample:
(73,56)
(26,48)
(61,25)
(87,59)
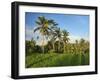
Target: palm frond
(37,29)
(41,19)
(38,23)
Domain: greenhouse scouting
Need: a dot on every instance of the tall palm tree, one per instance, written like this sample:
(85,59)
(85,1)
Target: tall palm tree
(65,38)
(58,35)
(43,25)
(53,34)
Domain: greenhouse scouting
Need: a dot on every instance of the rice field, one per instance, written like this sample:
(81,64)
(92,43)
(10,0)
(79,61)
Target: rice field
(55,60)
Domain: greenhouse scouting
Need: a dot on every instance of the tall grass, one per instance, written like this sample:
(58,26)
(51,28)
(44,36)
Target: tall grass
(54,60)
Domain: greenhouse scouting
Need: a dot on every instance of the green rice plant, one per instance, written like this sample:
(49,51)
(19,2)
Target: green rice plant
(54,60)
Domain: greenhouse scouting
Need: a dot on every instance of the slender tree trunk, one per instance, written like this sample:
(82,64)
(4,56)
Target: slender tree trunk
(53,46)
(43,45)
(76,50)
(59,46)
(64,47)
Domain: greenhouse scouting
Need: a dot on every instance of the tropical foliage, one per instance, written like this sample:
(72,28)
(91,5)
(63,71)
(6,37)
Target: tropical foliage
(58,51)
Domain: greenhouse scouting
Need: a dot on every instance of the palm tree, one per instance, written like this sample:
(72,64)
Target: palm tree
(76,46)
(65,38)
(82,42)
(76,41)
(53,42)
(58,35)
(52,34)
(43,25)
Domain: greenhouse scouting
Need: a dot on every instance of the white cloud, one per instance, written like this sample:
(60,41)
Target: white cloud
(41,42)
(73,38)
(28,33)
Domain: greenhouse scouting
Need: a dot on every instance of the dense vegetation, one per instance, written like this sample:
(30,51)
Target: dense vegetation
(58,51)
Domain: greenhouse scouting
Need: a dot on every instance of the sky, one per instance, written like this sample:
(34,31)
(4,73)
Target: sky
(76,25)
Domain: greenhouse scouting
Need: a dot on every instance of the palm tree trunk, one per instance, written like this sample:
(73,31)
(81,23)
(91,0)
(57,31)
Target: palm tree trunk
(43,45)
(64,47)
(53,46)
(59,47)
